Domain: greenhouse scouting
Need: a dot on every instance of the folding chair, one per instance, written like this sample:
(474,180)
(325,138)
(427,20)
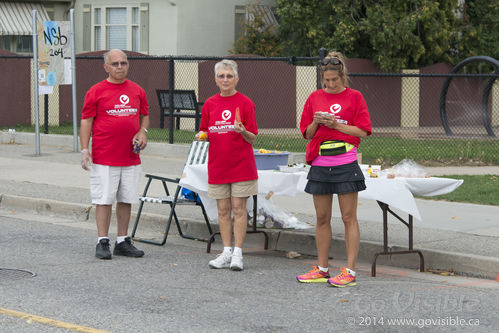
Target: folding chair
(198,154)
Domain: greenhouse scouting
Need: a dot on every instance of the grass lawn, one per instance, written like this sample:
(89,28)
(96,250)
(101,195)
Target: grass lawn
(477,189)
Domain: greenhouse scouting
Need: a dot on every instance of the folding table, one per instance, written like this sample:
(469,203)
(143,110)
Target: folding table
(389,193)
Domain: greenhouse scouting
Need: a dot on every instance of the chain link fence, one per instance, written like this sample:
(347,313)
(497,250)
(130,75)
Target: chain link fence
(405,108)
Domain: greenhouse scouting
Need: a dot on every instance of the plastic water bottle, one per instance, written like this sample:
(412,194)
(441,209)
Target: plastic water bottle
(260,221)
(12,135)
(269,222)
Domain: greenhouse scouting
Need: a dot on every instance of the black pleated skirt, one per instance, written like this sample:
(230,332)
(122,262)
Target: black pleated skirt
(338,179)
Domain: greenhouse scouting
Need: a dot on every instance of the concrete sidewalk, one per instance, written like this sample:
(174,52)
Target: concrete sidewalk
(456,237)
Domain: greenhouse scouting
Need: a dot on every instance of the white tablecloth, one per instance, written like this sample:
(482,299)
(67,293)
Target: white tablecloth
(397,192)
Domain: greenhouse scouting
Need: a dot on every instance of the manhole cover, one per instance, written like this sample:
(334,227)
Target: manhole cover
(14,274)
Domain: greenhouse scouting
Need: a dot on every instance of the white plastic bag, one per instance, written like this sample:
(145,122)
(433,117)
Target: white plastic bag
(270,215)
(409,168)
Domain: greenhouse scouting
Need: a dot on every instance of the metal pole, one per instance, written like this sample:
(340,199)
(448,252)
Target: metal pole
(46,114)
(35,74)
(322,55)
(73,79)
(171,87)
(322,52)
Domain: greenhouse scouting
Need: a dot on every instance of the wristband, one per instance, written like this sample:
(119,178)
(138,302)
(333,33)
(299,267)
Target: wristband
(84,150)
(145,129)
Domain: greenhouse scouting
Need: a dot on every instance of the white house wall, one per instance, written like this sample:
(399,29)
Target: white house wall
(207,27)
(180,27)
(163,22)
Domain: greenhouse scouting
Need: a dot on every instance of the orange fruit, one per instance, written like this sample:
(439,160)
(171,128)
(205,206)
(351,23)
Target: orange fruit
(203,136)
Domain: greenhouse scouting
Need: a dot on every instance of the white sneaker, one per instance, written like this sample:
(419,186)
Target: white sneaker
(221,261)
(236,263)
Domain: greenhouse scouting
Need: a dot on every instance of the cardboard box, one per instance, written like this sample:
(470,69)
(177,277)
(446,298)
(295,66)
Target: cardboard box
(270,161)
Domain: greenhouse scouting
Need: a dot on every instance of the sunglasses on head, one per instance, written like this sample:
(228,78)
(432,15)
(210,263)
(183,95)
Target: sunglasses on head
(332,61)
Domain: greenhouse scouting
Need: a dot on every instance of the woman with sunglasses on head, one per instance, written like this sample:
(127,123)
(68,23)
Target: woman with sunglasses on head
(334,119)
(228,122)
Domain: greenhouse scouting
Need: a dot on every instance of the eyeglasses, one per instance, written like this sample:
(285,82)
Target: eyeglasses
(223,76)
(116,64)
(332,61)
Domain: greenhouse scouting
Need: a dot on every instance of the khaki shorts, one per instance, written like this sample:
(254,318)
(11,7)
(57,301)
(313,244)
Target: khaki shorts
(110,183)
(237,190)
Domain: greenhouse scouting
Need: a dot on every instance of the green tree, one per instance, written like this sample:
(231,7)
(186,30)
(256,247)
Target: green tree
(394,34)
(259,38)
(303,25)
(480,29)
(409,34)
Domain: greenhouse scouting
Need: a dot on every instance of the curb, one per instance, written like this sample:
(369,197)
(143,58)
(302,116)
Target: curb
(79,212)
(279,240)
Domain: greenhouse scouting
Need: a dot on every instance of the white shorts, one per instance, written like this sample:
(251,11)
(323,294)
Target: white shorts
(108,183)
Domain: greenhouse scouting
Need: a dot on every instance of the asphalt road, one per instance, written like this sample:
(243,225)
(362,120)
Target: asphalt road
(172,289)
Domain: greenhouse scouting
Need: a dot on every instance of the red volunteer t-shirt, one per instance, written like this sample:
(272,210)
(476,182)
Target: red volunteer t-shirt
(116,109)
(349,107)
(230,157)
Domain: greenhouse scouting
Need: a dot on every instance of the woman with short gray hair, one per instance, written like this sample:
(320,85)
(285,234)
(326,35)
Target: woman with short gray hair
(228,122)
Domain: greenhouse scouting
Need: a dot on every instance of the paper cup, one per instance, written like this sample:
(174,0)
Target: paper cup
(375,169)
(364,168)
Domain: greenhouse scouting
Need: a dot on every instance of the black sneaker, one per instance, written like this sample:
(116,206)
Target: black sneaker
(127,249)
(103,249)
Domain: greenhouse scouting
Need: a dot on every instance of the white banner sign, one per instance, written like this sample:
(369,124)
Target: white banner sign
(54,53)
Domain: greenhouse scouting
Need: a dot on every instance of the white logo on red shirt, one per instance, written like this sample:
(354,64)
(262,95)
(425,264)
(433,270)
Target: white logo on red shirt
(124,99)
(222,126)
(123,109)
(226,114)
(335,108)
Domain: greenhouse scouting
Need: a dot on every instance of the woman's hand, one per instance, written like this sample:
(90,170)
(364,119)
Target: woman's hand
(201,136)
(239,127)
(247,135)
(318,118)
(314,125)
(331,122)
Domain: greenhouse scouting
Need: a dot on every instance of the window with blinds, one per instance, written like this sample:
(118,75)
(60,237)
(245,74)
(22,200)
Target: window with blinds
(118,27)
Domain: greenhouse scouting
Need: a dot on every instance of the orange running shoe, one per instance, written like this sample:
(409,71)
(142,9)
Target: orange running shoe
(313,276)
(344,279)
